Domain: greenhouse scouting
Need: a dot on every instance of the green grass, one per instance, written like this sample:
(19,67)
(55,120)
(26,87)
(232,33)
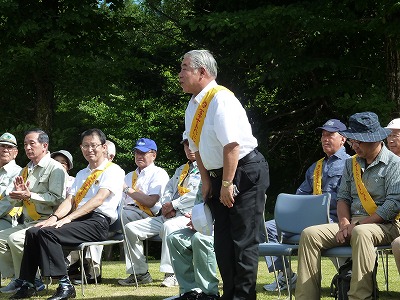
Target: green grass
(114,270)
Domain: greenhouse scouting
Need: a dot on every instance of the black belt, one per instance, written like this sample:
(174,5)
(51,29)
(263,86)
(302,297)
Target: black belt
(216,173)
(247,158)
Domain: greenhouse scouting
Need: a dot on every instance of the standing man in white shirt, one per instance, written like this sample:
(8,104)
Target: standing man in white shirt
(143,189)
(234,173)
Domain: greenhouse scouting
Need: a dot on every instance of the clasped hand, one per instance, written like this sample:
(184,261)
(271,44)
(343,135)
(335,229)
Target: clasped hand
(344,234)
(21,189)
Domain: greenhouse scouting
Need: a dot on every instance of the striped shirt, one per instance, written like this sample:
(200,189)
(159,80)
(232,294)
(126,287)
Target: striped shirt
(382,180)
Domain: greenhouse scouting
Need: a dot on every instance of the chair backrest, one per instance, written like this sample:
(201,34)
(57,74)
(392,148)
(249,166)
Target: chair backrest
(293,213)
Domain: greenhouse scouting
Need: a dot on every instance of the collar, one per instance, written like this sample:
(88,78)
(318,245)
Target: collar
(341,153)
(10,166)
(147,169)
(101,167)
(44,162)
(208,87)
(383,156)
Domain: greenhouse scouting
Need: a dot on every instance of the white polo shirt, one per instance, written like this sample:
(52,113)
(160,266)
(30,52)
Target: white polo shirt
(111,179)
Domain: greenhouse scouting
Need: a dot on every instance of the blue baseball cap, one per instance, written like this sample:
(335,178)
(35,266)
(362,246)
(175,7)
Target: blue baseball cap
(332,125)
(145,145)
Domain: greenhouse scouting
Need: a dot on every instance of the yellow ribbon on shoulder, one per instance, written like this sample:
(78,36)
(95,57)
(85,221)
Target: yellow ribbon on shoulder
(29,205)
(144,208)
(201,112)
(317,178)
(181,189)
(366,200)
(81,193)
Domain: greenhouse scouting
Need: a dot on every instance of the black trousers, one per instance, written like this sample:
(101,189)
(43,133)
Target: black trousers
(237,229)
(43,247)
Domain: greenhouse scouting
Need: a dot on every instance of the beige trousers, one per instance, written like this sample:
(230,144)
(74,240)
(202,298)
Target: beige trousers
(363,240)
(396,252)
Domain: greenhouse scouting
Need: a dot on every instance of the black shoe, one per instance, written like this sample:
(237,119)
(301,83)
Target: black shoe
(24,292)
(89,279)
(204,296)
(64,292)
(192,295)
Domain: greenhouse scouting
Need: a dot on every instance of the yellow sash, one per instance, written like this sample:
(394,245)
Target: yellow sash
(29,205)
(14,211)
(201,112)
(140,205)
(366,200)
(317,182)
(181,189)
(81,193)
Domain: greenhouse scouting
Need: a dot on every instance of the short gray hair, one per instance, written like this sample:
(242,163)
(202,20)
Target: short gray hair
(203,59)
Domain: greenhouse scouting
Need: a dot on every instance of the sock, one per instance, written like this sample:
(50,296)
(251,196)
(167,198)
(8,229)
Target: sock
(63,281)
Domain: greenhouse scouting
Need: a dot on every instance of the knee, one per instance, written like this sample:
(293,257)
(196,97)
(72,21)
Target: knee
(360,235)
(396,245)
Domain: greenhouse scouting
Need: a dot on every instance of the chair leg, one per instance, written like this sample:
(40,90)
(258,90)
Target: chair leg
(83,275)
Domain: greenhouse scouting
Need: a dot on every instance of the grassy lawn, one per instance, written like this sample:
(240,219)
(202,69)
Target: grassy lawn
(114,270)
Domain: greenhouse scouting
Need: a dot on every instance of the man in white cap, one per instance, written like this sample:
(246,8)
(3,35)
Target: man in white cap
(177,200)
(143,189)
(324,176)
(8,171)
(393,142)
(367,207)
(393,139)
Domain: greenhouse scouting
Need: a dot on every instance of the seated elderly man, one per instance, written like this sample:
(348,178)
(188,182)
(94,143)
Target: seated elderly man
(368,204)
(322,176)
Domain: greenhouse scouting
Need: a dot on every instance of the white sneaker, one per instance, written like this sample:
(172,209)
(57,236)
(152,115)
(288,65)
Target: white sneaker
(169,280)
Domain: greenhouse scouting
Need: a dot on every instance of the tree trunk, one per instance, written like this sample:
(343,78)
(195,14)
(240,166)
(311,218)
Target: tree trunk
(393,72)
(44,105)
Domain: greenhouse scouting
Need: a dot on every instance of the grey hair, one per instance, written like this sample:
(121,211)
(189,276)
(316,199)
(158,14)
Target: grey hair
(203,59)
(43,138)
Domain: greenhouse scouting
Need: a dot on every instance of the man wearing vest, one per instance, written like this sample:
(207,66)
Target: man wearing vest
(322,176)
(177,200)
(84,216)
(143,189)
(8,171)
(39,189)
(234,173)
(368,205)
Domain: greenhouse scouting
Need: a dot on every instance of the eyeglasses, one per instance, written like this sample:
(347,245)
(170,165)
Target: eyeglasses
(353,142)
(9,147)
(87,147)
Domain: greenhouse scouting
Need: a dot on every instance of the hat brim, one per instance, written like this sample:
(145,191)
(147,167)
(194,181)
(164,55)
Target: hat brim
(70,163)
(8,143)
(143,149)
(330,129)
(367,137)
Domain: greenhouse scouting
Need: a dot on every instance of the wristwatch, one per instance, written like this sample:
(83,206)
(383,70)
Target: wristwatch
(126,189)
(53,215)
(226,183)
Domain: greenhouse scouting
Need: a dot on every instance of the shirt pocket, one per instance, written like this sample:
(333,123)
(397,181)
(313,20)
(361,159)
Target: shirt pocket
(334,176)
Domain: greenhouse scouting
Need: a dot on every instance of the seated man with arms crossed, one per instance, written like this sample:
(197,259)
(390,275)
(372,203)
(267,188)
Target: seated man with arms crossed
(143,189)
(322,176)
(85,216)
(368,205)
(177,200)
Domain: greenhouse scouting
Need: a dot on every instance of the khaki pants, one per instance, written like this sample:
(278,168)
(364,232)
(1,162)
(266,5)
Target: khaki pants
(363,240)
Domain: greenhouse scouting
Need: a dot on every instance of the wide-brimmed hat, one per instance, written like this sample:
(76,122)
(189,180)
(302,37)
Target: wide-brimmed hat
(332,125)
(8,139)
(66,154)
(394,124)
(365,127)
(202,219)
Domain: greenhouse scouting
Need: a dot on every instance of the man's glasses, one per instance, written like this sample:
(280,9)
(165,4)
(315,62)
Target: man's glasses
(9,147)
(87,147)
(353,142)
